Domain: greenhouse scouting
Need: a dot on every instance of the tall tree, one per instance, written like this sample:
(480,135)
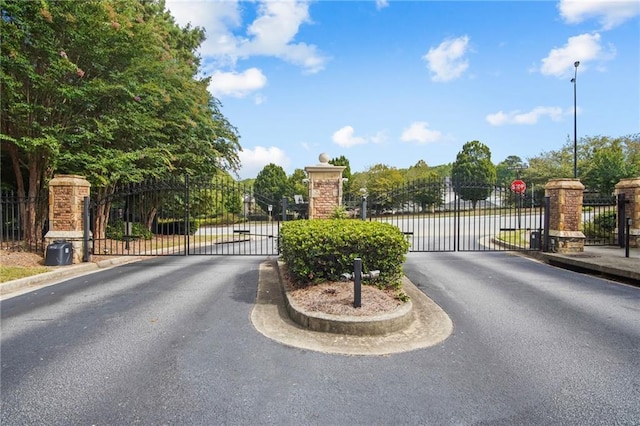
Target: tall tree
(107,89)
(601,159)
(381,183)
(270,187)
(346,173)
(509,169)
(424,186)
(473,174)
(607,163)
(297,184)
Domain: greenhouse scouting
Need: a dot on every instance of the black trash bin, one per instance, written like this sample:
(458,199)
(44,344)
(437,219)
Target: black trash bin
(60,252)
(534,240)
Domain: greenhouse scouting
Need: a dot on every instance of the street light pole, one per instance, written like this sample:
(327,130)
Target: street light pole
(574,80)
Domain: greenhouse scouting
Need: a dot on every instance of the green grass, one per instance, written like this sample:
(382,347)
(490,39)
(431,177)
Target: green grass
(516,238)
(10,273)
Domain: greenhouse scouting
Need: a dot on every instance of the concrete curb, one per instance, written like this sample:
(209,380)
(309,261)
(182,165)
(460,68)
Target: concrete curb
(360,326)
(430,325)
(627,269)
(60,273)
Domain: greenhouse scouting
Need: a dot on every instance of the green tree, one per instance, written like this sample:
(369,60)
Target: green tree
(509,169)
(473,174)
(346,173)
(600,162)
(270,186)
(424,186)
(382,182)
(607,164)
(297,184)
(107,89)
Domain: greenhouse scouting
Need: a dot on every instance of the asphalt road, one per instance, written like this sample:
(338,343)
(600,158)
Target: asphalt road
(169,341)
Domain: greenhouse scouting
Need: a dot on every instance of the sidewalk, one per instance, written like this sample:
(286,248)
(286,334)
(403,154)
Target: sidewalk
(609,261)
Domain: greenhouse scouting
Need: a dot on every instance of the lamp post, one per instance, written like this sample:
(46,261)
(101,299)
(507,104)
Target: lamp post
(574,80)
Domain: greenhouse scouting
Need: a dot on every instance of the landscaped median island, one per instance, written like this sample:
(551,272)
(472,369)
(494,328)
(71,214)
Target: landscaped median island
(303,303)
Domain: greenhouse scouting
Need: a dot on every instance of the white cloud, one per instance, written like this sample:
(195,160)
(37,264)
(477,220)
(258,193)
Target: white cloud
(345,137)
(218,18)
(608,12)
(583,48)
(254,160)
(379,137)
(381,4)
(272,33)
(447,61)
(420,132)
(237,85)
(532,117)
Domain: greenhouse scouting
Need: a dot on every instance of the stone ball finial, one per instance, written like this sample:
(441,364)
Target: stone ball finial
(324,158)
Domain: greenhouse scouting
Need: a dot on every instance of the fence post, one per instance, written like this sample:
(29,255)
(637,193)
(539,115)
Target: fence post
(87,229)
(621,220)
(284,209)
(631,208)
(547,209)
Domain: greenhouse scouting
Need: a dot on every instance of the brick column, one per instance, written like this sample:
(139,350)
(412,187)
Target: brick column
(66,222)
(631,190)
(325,188)
(565,216)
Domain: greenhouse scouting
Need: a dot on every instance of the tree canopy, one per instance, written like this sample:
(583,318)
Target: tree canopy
(473,174)
(270,186)
(108,89)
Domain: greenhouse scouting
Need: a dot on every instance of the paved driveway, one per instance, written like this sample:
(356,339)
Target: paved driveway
(170,341)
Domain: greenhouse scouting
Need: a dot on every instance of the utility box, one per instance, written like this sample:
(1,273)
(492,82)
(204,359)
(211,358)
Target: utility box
(534,240)
(59,252)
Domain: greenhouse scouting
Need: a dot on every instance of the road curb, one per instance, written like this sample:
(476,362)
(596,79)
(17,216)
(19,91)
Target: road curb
(60,273)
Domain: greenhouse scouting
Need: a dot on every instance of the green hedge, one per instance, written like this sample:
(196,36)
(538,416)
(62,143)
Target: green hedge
(116,231)
(322,250)
(602,225)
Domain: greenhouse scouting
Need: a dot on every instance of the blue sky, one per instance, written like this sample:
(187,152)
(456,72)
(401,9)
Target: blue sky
(395,82)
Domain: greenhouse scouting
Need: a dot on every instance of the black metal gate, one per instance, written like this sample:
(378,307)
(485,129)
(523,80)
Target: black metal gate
(183,217)
(602,216)
(224,217)
(441,215)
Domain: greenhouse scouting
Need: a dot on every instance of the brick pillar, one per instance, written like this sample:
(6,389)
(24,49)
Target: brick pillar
(565,216)
(66,222)
(631,190)
(325,188)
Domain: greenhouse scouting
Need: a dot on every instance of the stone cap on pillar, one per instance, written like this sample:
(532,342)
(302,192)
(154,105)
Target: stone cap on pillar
(324,166)
(565,183)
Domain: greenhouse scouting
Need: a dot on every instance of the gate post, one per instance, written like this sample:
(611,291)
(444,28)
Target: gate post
(325,188)
(66,212)
(565,215)
(631,190)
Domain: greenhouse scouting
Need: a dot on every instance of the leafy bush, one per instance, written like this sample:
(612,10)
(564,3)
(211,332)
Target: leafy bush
(116,231)
(322,250)
(601,226)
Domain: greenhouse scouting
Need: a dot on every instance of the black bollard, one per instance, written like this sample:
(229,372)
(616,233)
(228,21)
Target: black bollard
(357,282)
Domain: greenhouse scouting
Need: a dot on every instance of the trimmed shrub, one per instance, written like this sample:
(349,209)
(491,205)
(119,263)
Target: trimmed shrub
(322,250)
(601,226)
(116,231)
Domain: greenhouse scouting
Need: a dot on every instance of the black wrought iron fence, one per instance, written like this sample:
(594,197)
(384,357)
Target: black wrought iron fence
(438,215)
(599,219)
(185,217)
(22,222)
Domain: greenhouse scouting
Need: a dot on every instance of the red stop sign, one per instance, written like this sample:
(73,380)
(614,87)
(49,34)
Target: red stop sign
(518,186)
